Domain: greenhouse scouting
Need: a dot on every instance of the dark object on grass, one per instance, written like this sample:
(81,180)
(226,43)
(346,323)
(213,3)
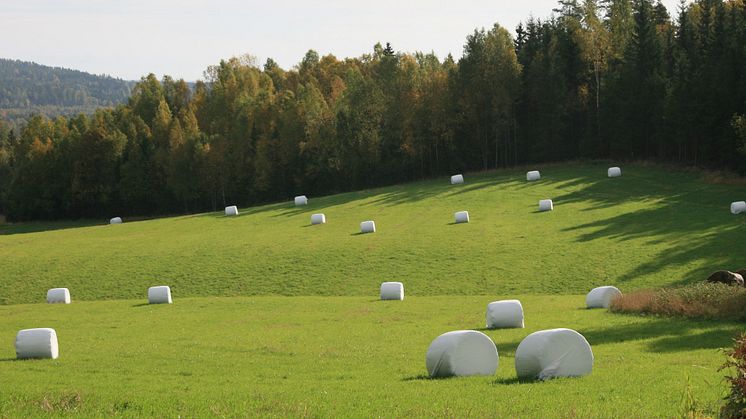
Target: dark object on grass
(726,277)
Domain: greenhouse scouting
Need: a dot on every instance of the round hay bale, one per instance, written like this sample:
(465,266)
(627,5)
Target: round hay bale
(457,179)
(461,353)
(392,291)
(231,211)
(58,295)
(368,227)
(553,353)
(546,205)
(726,277)
(116,220)
(614,172)
(301,200)
(737,207)
(318,219)
(159,295)
(462,217)
(601,297)
(37,343)
(504,314)
(533,175)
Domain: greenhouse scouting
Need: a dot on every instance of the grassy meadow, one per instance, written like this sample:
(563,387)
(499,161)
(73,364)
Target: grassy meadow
(274,317)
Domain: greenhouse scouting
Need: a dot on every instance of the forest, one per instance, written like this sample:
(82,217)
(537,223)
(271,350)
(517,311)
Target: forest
(609,79)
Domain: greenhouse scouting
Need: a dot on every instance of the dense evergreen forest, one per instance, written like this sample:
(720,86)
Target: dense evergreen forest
(29,88)
(615,79)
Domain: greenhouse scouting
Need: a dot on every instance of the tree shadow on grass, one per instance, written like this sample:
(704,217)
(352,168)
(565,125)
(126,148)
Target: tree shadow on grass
(667,334)
(39,227)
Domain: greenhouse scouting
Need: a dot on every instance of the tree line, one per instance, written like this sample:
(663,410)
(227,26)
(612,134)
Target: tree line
(613,79)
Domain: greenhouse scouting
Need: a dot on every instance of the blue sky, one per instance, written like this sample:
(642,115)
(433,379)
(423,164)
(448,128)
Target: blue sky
(130,38)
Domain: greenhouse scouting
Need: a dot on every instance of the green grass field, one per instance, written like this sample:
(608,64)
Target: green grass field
(274,317)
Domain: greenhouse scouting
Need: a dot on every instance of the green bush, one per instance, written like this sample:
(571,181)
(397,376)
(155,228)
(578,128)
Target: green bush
(735,402)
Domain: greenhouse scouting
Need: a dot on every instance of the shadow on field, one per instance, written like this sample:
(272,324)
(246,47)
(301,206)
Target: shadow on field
(423,377)
(38,227)
(515,380)
(667,335)
(691,217)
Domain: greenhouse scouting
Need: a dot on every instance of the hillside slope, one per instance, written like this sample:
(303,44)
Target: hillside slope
(27,88)
(651,227)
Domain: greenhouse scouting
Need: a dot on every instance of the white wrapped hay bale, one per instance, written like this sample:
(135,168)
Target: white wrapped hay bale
(462,217)
(461,353)
(58,295)
(116,220)
(533,175)
(392,291)
(738,207)
(368,227)
(601,297)
(159,295)
(37,343)
(457,179)
(318,219)
(553,353)
(546,205)
(301,200)
(614,172)
(504,314)
(231,211)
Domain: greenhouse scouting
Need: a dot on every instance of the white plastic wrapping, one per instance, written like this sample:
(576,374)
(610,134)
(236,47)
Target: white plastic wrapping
(738,207)
(601,297)
(504,314)
(37,343)
(58,295)
(392,291)
(553,353)
(533,175)
(231,211)
(318,219)
(301,200)
(116,220)
(614,172)
(462,217)
(368,227)
(159,295)
(546,205)
(461,353)
(457,179)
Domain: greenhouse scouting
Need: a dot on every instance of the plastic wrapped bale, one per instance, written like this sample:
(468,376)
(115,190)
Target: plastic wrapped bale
(614,172)
(37,343)
(462,217)
(58,295)
(116,220)
(602,297)
(392,291)
(368,227)
(159,295)
(461,353)
(231,211)
(301,200)
(533,175)
(457,179)
(546,205)
(553,353)
(504,314)
(738,207)
(318,219)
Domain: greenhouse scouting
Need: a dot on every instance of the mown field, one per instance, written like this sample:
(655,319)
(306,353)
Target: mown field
(275,317)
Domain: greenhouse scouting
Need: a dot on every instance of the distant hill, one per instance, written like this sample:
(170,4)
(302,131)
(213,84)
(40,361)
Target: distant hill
(27,88)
